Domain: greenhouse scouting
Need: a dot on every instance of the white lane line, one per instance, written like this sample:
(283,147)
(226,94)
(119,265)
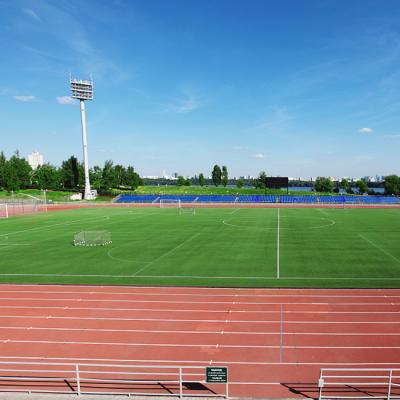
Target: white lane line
(319,303)
(167,253)
(379,248)
(169,320)
(207,277)
(224,346)
(196,362)
(177,310)
(202,295)
(277,247)
(196,332)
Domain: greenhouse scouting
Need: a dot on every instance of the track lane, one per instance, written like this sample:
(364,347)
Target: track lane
(184,325)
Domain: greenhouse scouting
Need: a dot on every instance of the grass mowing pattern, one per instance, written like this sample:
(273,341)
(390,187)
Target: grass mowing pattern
(215,247)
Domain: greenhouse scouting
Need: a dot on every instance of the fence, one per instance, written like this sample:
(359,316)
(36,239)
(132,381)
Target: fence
(108,379)
(355,383)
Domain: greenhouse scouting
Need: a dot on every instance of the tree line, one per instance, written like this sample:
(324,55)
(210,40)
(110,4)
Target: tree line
(16,173)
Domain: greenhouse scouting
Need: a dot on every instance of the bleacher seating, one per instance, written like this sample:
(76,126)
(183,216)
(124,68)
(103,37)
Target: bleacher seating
(268,198)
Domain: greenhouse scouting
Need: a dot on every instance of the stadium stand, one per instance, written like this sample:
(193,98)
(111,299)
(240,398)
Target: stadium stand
(290,199)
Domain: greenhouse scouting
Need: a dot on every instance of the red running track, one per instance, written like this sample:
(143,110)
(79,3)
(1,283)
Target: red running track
(239,328)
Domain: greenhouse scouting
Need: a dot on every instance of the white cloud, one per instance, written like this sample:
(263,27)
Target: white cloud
(259,156)
(32,14)
(25,98)
(365,130)
(65,100)
(183,105)
(276,121)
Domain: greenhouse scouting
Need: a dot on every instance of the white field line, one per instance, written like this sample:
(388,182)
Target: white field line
(41,228)
(379,248)
(277,247)
(15,244)
(212,346)
(196,332)
(74,300)
(167,253)
(186,310)
(207,277)
(202,295)
(196,362)
(88,288)
(170,320)
(235,211)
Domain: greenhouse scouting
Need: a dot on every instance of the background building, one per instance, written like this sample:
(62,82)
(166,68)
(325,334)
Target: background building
(35,159)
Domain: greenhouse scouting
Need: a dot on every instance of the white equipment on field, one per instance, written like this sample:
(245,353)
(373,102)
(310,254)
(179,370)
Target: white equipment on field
(92,238)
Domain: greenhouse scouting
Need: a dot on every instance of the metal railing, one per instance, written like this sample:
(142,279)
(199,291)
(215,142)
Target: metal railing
(359,383)
(108,379)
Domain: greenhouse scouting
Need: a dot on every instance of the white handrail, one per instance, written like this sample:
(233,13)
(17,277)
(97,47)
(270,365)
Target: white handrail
(126,379)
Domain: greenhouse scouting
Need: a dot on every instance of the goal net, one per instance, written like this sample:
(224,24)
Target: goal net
(184,209)
(92,238)
(170,203)
(3,211)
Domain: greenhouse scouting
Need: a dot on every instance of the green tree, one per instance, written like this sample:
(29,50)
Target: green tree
(132,178)
(3,162)
(260,181)
(224,175)
(344,184)
(120,173)
(188,182)
(181,180)
(72,174)
(362,186)
(216,175)
(95,176)
(201,179)
(47,176)
(392,184)
(109,177)
(324,185)
(17,173)
(239,183)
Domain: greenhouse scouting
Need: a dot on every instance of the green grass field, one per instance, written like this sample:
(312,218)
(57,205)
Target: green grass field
(215,247)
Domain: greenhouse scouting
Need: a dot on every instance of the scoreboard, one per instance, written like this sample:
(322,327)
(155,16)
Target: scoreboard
(276,182)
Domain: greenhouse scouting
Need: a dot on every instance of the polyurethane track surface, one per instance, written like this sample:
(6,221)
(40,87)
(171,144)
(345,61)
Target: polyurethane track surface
(238,328)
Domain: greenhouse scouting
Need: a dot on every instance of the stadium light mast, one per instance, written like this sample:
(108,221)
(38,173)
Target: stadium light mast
(83,90)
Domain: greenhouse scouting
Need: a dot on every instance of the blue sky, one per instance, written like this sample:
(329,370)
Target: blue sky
(298,88)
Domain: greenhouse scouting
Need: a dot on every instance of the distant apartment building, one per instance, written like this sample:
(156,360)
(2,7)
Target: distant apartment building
(35,159)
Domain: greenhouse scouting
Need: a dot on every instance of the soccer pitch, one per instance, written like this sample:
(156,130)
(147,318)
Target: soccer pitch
(266,247)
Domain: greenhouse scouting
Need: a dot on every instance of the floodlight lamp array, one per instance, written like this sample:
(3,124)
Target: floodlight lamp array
(81,89)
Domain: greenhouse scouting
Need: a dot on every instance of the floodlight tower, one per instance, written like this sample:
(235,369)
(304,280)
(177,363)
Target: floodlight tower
(83,90)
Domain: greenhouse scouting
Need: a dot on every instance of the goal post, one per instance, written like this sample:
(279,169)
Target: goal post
(4,210)
(170,203)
